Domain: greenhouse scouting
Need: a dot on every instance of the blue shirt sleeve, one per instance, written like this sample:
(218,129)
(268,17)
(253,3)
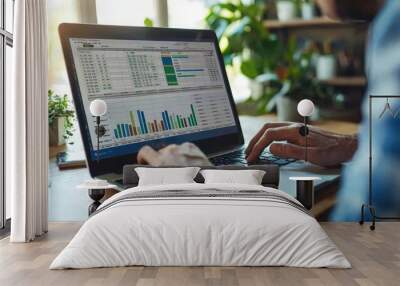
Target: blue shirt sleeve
(383,72)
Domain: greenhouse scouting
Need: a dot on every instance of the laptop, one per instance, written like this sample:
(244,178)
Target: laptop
(162,86)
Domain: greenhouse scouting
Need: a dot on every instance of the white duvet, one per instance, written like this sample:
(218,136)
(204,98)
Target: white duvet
(192,231)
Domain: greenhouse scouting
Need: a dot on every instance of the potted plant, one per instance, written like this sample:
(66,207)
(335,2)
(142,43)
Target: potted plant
(326,62)
(287,9)
(60,119)
(274,70)
(246,44)
(295,80)
(243,36)
(307,9)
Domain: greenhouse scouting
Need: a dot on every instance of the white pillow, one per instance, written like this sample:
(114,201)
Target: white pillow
(248,177)
(164,176)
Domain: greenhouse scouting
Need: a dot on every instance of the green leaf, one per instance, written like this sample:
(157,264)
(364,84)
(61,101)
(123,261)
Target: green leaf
(229,6)
(237,27)
(249,69)
(148,22)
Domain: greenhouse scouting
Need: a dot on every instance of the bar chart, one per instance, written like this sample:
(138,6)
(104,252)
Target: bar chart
(141,124)
(131,120)
(170,74)
(188,68)
(155,91)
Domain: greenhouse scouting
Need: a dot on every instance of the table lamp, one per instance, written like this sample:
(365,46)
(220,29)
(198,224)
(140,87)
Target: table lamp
(305,108)
(96,187)
(98,108)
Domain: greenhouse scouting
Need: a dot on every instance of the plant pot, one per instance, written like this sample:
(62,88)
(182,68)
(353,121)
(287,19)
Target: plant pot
(56,132)
(308,11)
(256,88)
(286,10)
(326,67)
(287,110)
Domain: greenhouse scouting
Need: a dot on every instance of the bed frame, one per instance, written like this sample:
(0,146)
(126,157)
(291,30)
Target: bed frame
(270,179)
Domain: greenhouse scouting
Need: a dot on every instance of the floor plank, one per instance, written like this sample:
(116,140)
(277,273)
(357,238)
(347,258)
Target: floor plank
(375,257)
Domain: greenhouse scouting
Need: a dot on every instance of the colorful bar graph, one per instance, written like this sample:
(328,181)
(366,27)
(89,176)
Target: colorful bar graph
(167,120)
(138,124)
(170,74)
(155,125)
(119,130)
(146,130)
(133,122)
(123,130)
(164,117)
(127,130)
(193,114)
(140,121)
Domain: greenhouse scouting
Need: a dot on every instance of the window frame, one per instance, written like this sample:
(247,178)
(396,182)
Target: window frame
(6,39)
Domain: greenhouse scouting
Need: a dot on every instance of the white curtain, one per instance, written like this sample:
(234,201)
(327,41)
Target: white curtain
(27,123)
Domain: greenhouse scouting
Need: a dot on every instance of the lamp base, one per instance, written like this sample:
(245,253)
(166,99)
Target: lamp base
(96,195)
(304,131)
(100,130)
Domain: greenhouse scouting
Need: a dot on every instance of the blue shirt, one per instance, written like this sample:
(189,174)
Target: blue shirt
(383,73)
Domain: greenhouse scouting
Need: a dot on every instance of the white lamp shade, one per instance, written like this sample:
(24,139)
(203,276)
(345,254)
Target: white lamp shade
(305,107)
(98,107)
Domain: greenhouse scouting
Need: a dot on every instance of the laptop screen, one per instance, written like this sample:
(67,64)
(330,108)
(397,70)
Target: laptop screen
(157,92)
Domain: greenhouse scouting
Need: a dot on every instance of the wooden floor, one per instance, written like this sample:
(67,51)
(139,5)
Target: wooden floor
(375,257)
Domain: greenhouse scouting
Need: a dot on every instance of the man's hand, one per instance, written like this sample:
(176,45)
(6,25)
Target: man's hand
(325,148)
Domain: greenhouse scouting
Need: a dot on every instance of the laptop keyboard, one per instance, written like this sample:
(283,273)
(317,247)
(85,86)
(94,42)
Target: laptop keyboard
(239,158)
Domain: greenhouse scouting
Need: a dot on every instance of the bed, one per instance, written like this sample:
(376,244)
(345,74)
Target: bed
(197,224)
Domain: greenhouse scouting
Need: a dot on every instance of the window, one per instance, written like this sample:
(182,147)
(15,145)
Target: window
(6,43)
(125,12)
(188,13)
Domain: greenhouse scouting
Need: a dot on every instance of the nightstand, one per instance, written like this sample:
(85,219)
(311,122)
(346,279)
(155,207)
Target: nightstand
(305,190)
(96,190)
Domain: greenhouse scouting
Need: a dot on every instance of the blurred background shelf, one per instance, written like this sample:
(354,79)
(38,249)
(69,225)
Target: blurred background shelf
(319,23)
(346,81)
(345,41)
